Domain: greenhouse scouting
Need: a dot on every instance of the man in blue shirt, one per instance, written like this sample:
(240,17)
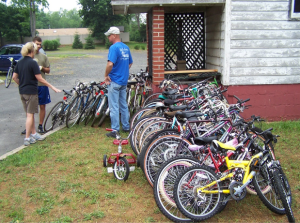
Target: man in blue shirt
(116,77)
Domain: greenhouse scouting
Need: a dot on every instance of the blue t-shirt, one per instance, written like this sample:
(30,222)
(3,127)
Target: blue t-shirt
(119,54)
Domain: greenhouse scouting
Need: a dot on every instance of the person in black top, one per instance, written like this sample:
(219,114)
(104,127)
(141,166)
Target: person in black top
(27,74)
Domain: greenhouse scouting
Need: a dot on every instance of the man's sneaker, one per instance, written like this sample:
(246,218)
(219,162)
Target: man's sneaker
(112,134)
(41,130)
(37,137)
(24,132)
(127,131)
(29,141)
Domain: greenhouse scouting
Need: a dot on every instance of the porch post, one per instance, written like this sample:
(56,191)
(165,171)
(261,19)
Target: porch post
(158,38)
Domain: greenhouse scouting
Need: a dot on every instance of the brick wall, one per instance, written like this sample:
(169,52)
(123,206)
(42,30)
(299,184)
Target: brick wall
(158,44)
(272,102)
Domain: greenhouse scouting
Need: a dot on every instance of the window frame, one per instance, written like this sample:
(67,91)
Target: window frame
(293,15)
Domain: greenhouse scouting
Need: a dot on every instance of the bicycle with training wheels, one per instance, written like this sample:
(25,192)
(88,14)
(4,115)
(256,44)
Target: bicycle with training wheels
(120,164)
(10,71)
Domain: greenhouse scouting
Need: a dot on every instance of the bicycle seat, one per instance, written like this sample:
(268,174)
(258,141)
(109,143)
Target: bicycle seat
(175,96)
(68,92)
(170,114)
(204,140)
(177,108)
(220,146)
(131,82)
(170,92)
(169,102)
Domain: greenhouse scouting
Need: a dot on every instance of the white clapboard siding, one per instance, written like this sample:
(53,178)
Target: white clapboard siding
(214,35)
(265,53)
(265,25)
(264,71)
(264,43)
(260,6)
(250,80)
(265,34)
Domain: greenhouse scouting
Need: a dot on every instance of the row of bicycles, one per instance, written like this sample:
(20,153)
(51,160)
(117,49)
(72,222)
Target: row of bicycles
(88,102)
(198,153)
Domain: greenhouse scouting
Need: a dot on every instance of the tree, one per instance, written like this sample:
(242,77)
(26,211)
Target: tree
(77,44)
(32,6)
(98,16)
(89,43)
(14,23)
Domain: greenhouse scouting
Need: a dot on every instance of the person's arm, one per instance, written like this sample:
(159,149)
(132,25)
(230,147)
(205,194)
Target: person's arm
(108,69)
(16,78)
(130,65)
(43,81)
(45,69)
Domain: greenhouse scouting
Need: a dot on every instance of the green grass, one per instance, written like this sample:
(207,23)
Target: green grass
(62,179)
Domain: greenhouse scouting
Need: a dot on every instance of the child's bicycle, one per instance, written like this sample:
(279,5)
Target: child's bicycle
(120,167)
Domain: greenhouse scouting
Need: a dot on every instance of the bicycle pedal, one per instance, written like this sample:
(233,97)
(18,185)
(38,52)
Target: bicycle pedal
(132,168)
(109,169)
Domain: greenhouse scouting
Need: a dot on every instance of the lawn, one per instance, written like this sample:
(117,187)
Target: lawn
(62,179)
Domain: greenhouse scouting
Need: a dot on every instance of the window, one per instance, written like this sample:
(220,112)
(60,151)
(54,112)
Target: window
(4,51)
(295,9)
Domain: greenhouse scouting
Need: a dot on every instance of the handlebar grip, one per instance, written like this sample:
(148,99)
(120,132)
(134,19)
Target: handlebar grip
(245,100)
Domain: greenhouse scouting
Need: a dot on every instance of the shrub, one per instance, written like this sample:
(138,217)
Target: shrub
(137,47)
(77,44)
(143,47)
(51,44)
(56,44)
(46,44)
(89,43)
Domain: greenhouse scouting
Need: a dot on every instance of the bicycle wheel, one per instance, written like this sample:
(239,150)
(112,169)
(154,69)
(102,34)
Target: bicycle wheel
(8,77)
(164,185)
(121,169)
(83,114)
(55,117)
(152,128)
(103,117)
(284,194)
(73,112)
(137,116)
(161,150)
(197,207)
(150,98)
(270,199)
(91,111)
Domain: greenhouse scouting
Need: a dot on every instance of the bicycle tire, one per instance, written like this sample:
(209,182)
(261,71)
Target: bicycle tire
(138,115)
(151,129)
(285,199)
(161,150)
(121,169)
(84,112)
(73,112)
(9,77)
(269,199)
(186,199)
(164,185)
(151,97)
(54,117)
(102,119)
(154,137)
(92,111)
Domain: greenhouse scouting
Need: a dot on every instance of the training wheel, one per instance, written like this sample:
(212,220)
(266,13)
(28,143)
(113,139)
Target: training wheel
(105,160)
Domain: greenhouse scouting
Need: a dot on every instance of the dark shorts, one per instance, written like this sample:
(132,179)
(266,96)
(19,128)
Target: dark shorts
(44,95)
(30,103)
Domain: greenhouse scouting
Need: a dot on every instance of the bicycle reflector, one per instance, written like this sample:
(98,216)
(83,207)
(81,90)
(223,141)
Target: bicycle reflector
(65,98)
(97,93)
(102,92)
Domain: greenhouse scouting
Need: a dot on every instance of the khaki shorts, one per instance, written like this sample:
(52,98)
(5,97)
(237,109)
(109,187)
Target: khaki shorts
(30,103)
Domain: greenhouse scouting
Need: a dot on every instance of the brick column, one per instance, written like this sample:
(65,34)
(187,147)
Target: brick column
(158,38)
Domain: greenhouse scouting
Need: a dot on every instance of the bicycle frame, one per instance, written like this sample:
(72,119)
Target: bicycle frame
(232,164)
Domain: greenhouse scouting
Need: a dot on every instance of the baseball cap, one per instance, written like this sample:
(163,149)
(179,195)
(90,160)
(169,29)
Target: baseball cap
(112,30)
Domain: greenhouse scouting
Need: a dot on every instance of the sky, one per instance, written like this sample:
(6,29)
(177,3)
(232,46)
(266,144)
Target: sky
(55,5)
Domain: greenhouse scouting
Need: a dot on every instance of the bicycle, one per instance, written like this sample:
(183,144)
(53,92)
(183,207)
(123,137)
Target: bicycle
(10,72)
(120,164)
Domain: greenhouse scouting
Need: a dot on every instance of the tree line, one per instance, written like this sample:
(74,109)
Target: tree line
(23,17)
